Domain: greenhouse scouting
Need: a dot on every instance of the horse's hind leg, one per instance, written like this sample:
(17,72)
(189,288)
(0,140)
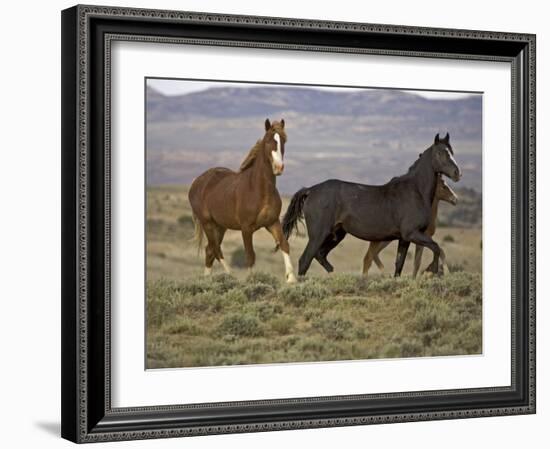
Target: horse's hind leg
(418,259)
(328,245)
(277,232)
(321,257)
(214,234)
(208,259)
(312,248)
(401,255)
(220,233)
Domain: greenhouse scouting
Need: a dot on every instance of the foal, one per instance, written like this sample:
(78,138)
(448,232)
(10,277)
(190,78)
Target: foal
(246,200)
(442,193)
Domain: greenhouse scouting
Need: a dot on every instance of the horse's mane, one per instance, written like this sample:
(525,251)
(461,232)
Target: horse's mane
(411,169)
(251,156)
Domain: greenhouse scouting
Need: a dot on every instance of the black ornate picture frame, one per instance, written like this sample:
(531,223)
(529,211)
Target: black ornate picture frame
(87,34)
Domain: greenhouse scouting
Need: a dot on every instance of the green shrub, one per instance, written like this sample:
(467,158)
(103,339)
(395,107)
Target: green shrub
(426,320)
(388,284)
(182,325)
(282,325)
(346,284)
(266,310)
(449,238)
(223,282)
(236,296)
(257,291)
(259,277)
(241,325)
(333,327)
(455,267)
(298,295)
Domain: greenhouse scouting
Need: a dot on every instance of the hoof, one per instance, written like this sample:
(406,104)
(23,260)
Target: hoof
(291,279)
(207,271)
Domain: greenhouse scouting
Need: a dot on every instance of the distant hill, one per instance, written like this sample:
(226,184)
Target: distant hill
(366,136)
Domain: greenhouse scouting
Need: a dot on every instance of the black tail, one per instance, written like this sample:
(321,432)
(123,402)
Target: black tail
(294,212)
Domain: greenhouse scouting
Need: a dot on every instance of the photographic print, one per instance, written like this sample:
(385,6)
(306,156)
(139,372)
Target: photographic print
(366,213)
(302,223)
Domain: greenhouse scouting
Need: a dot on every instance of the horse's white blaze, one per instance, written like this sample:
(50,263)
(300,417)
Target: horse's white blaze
(277,154)
(225,266)
(453,160)
(289,270)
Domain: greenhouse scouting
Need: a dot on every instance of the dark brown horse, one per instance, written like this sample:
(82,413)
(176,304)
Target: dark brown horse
(399,210)
(246,200)
(442,193)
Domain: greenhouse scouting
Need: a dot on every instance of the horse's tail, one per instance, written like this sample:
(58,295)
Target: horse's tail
(199,233)
(294,213)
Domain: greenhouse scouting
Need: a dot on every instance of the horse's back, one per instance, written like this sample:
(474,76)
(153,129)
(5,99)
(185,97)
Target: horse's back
(206,183)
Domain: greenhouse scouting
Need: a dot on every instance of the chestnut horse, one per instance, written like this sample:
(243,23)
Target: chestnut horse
(442,193)
(246,200)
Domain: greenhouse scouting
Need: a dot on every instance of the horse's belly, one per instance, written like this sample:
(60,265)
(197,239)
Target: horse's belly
(372,231)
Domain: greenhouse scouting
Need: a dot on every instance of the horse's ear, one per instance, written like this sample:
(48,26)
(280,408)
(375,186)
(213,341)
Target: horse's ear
(267,124)
(446,138)
(436,140)
(282,123)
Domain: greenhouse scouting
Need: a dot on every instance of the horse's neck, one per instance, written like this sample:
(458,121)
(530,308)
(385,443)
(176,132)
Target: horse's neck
(426,179)
(262,173)
(433,217)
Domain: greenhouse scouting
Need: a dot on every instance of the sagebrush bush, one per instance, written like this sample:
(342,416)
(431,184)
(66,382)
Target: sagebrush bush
(342,284)
(162,299)
(242,325)
(333,327)
(298,295)
(181,325)
(257,291)
(265,310)
(388,284)
(282,325)
(223,282)
(235,295)
(259,277)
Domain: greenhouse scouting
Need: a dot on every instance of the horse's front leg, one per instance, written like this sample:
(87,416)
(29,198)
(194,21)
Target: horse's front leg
(248,248)
(420,238)
(373,253)
(277,232)
(402,249)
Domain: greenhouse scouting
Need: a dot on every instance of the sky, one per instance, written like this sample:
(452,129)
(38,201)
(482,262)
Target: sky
(179,87)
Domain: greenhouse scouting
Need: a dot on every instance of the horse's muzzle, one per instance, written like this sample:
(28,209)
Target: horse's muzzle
(278,169)
(457,174)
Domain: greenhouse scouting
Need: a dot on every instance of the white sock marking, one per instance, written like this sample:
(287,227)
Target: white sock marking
(289,270)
